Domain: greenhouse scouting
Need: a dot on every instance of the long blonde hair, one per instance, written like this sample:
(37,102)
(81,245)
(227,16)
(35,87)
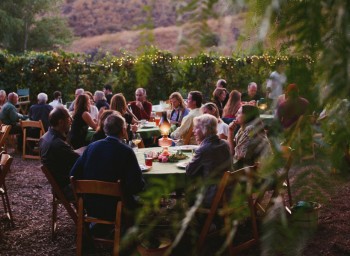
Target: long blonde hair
(233,104)
(178,96)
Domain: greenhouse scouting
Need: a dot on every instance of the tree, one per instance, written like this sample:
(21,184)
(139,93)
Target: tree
(32,24)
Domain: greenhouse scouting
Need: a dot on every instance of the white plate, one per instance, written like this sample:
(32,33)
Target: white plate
(148,126)
(182,165)
(188,147)
(145,168)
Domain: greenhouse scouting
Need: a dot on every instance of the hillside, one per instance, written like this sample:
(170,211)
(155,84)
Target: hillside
(97,17)
(109,25)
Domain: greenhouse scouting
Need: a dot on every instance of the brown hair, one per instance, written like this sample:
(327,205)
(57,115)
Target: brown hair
(217,92)
(233,103)
(118,103)
(81,104)
(212,106)
(103,117)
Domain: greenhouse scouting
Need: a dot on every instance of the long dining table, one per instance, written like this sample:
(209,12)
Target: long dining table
(170,174)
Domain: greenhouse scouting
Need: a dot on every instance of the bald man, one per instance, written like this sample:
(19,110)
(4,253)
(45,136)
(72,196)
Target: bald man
(141,108)
(10,116)
(252,93)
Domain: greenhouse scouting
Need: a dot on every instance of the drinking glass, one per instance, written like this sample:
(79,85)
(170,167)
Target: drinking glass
(136,139)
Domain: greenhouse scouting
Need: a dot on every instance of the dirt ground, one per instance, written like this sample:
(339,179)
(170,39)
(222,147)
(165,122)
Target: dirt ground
(30,198)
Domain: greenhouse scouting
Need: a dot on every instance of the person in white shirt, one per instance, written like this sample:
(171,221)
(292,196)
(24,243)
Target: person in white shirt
(274,85)
(194,102)
(57,99)
(212,109)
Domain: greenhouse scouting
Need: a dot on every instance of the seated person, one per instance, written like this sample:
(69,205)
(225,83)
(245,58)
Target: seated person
(41,111)
(194,102)
(118,103)
(57,99)
(100,100)
(81,122)
(100,133)
(56,154)
(110,160)
(179,110)
(231,107)
(211,109)
(93,109)
(221,83)
(141,108)
(211,159)
(10,116)
(107,90)
(250,142)
(294,106)
(251,94)
(219,97)
(78,92)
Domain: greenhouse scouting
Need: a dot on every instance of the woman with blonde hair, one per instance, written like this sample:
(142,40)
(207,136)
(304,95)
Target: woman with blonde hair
(232,106)
(179,110)
(212,109)
(81,122)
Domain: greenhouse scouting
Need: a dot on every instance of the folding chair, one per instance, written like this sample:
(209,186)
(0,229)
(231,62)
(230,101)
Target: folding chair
(58,198)
(81,187)
(222,206)
(5,165)
(23,100)
(28,138)
(278,187)
(4,135)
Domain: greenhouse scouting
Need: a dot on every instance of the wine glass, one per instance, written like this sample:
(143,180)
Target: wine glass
(136,139)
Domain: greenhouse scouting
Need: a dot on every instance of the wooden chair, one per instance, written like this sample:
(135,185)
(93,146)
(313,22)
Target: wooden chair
(222,206)
(58,198)
(27,138)
(5,165)
(81,187)
(4,135)
(270,191)
(188,135)
(23,100)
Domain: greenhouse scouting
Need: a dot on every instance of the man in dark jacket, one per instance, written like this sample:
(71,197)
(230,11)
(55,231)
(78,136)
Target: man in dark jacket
(56,154)
(110,160)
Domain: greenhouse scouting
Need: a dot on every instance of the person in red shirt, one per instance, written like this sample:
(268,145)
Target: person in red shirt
(141,108)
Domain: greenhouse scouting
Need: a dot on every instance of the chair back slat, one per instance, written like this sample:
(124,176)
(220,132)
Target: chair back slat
(97,187)
(31,124)
(4,134)
(5,164)
(81,187)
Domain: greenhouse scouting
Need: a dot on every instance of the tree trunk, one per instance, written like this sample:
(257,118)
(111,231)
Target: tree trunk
(25,35)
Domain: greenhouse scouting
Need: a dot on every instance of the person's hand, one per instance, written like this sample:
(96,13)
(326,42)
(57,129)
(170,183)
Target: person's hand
(139,104)
(252,102)
(134,128)
(233,125)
